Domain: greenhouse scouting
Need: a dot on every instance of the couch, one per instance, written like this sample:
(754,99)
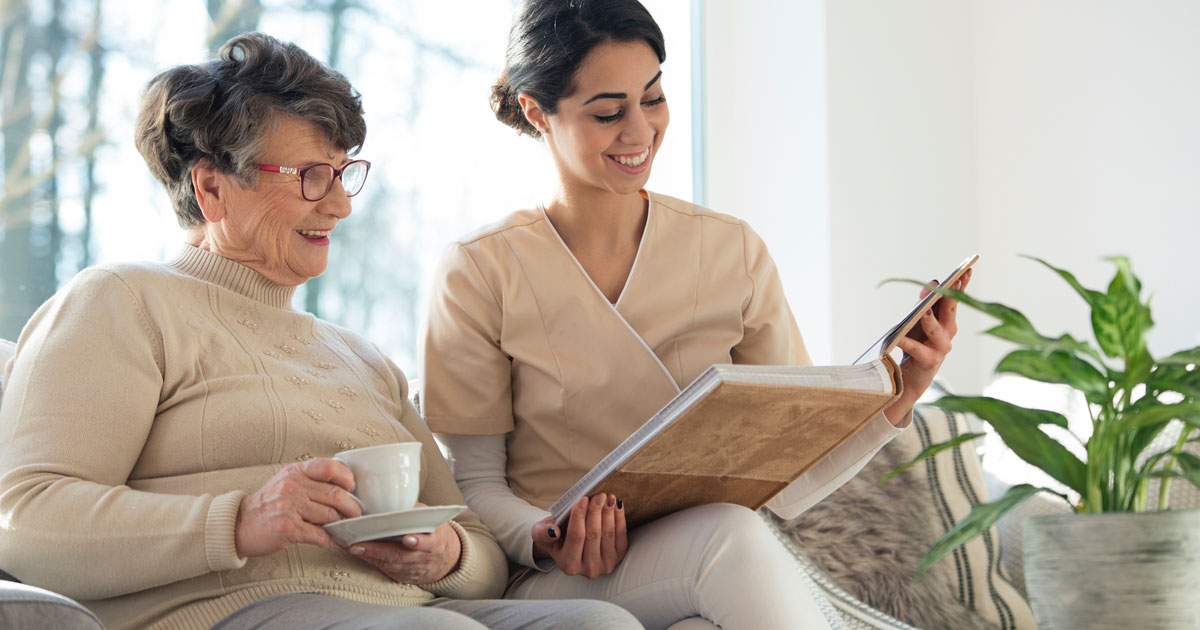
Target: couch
(858,548)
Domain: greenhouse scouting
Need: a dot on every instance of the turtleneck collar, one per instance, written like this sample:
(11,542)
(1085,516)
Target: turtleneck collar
(236,277)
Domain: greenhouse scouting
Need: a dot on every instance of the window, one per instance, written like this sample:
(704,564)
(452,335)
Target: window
(77,193)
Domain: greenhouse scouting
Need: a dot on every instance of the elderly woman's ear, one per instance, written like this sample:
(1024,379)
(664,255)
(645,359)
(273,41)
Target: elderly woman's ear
(209,186)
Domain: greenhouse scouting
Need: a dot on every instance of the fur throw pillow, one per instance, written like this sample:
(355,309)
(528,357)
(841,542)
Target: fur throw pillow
(869,538)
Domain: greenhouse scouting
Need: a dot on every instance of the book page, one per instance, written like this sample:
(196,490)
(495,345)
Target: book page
(887,342)
(873,375)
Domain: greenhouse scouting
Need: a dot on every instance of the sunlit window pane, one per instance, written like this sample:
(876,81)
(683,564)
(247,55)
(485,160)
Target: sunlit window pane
(77,192)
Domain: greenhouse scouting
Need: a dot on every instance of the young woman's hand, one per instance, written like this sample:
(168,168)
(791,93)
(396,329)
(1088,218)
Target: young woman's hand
(925,347)
(415,558)
(595,540)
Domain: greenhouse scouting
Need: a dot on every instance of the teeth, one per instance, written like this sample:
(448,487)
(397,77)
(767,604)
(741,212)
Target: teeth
(633,161)
(317,233)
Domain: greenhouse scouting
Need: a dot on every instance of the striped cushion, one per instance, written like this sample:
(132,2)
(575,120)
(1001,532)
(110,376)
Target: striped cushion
(955,481)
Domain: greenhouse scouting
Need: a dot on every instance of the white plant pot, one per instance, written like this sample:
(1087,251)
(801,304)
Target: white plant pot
(1114,571)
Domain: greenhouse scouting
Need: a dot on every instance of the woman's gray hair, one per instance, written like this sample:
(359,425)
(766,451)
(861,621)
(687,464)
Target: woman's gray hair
(220,111)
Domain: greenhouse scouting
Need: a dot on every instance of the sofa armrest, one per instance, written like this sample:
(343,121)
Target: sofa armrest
(32,608)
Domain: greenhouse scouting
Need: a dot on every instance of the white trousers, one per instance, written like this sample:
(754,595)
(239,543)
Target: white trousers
(714,565)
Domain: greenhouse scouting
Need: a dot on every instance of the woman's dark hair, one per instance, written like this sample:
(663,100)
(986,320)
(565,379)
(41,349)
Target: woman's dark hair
(220,111)
(550,39)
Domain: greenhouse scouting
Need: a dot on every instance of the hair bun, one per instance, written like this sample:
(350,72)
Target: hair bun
(508,109)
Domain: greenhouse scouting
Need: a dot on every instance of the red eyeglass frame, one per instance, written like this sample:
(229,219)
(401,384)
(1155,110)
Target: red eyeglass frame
(300,172)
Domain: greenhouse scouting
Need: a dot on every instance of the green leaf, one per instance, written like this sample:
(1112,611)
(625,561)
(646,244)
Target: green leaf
(1090,296)
(1058,367)
(1183,357)
(1133,286)
(1153,413)
(1018,427)
(1189,470)
(999,311)
(993,409)
(1175,378)
(981,517)
(1033,340)
(1144,437)
(1138,366)
(930,451)
(1190,464)
(1119,319)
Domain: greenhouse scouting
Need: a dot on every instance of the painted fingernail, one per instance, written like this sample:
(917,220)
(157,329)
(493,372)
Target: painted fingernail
(612,500)
(410,541)
(357,551)
(620,504)
(551,533)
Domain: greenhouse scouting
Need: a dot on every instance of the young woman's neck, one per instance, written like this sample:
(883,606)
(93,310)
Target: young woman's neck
(597,219)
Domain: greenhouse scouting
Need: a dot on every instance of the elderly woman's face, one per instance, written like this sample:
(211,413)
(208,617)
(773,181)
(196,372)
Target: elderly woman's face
(270,227)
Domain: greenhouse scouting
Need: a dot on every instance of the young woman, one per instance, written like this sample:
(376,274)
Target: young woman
(556,333)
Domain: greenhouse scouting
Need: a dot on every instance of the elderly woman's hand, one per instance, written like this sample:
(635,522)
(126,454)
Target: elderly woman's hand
(293,505)
(416,558)
(925,347)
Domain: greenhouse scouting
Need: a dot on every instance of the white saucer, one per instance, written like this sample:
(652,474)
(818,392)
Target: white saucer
(392,525)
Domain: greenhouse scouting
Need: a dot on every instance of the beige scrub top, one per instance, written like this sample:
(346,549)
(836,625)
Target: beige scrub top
(521,342)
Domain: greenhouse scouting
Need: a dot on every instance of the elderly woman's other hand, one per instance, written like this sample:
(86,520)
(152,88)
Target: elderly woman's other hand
(416,558)
(293,505)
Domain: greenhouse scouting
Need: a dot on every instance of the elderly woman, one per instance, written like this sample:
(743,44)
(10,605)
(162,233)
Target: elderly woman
(167,460)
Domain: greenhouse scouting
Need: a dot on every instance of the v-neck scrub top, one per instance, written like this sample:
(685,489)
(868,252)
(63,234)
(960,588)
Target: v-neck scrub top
(521,342)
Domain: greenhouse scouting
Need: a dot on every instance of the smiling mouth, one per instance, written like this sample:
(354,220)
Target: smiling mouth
(315,233)
(631,160)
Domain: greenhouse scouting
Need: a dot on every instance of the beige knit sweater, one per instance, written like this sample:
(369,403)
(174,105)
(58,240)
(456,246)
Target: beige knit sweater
(146,400)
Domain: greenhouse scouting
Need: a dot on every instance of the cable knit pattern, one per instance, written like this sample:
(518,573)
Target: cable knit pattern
(146,400)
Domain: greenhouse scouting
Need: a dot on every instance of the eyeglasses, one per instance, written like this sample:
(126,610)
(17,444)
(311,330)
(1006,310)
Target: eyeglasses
(317,180)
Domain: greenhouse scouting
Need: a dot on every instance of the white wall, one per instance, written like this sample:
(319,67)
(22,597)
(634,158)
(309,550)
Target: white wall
(765,143)
(901,162)
(1068,130)
(1089,145)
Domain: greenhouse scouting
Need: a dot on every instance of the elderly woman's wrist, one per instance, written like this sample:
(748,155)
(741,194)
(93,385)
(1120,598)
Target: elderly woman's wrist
(220,545)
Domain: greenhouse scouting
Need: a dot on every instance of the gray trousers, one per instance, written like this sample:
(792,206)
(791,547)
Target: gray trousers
(310,611)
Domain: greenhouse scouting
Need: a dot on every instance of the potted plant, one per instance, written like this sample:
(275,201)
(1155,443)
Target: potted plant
(1116,561)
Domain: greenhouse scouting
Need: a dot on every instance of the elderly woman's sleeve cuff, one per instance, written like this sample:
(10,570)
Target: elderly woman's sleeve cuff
(220,542)
(476,577)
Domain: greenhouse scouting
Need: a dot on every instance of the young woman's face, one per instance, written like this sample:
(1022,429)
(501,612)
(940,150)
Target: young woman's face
(606,134)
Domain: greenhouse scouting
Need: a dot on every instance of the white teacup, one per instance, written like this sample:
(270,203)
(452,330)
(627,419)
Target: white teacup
(387,477)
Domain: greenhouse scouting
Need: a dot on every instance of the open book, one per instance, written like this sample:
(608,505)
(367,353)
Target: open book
(742,433)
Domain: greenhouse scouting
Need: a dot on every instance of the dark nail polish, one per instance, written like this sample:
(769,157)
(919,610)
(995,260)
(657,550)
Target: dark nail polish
(551,533)
(620,504)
